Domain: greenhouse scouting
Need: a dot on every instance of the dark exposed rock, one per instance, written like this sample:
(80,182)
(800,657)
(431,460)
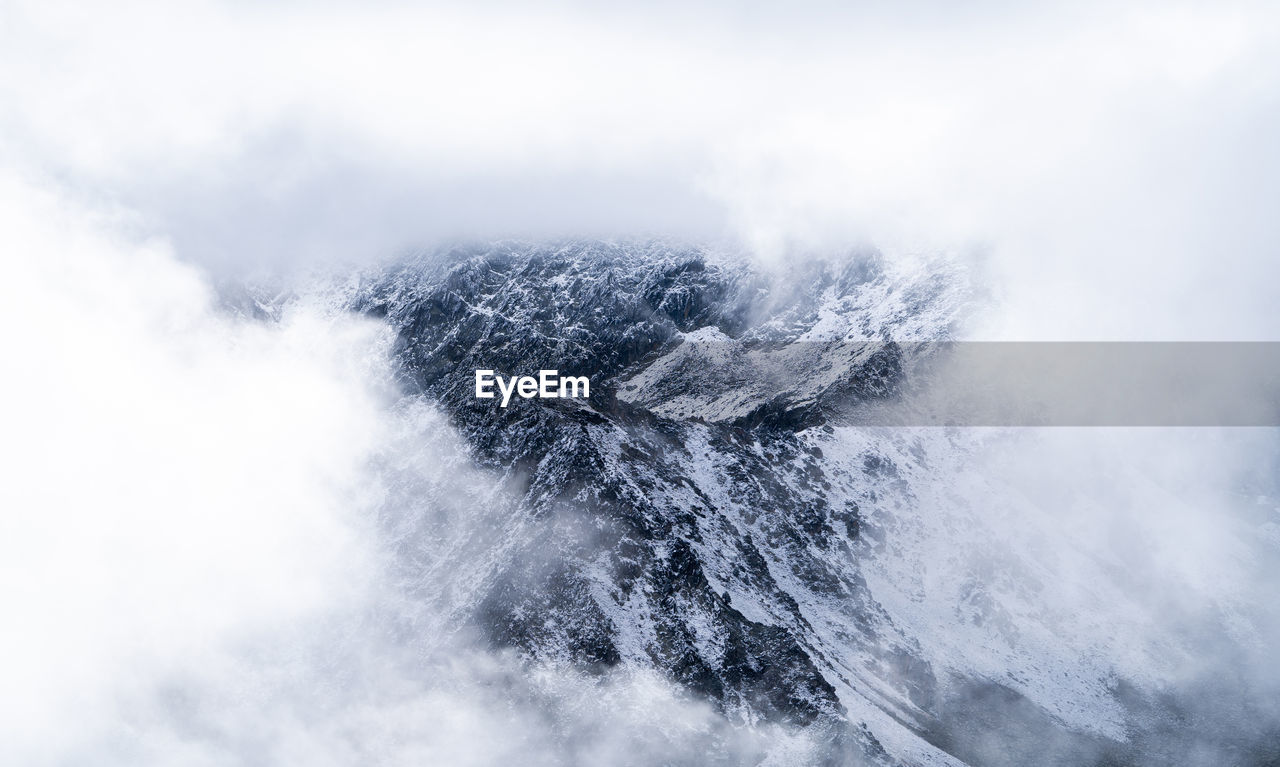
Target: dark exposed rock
(695,545)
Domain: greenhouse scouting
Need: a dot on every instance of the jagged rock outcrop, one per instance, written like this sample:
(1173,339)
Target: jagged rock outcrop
(710,513)
(686,540)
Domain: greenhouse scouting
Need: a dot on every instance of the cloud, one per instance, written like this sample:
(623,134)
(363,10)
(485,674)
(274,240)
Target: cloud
(183,515)
(1084,150)
(200,539)
(171,484)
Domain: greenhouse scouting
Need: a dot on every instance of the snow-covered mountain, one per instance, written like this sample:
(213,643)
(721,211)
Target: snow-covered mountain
(708,512)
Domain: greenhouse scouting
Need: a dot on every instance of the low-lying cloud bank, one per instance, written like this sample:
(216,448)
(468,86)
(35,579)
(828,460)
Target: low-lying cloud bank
(191,547)
(200,534)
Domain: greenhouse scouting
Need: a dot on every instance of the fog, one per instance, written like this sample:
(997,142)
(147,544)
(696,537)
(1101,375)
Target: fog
(201,522)
(1110,166)
(194,560)
(1113,576)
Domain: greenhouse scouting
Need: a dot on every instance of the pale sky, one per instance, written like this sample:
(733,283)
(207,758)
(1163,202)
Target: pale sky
(1113,163)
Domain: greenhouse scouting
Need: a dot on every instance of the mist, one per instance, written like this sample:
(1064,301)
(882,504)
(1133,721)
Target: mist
(1096,572)
(1073,152)
(214,550)
(223,538)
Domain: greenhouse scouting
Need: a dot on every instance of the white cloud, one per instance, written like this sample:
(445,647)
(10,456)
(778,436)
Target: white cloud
(184,486)
(174,477)
(190,550)
(1085,149)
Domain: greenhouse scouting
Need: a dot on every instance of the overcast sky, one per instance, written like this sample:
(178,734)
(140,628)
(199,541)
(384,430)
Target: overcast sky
(1114,163)
(1110,171)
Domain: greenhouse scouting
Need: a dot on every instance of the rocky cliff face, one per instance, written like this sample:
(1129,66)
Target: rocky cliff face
(705,540)
(706,512)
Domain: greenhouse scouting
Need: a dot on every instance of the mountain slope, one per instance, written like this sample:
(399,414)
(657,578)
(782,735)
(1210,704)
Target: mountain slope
(708,513)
